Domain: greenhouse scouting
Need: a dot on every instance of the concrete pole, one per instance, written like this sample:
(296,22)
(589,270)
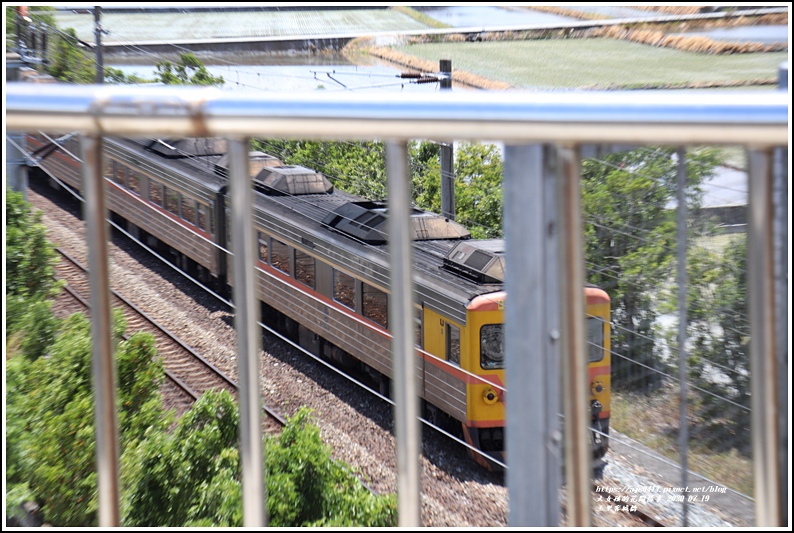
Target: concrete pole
(447,170)
(100,69)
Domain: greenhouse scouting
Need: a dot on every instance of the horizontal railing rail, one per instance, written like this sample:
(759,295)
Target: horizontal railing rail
(642,117)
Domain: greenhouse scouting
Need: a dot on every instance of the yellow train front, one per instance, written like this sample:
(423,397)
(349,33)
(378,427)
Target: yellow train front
(481,356)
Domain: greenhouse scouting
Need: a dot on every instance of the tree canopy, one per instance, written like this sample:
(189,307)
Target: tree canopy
(630,243)
(189,70)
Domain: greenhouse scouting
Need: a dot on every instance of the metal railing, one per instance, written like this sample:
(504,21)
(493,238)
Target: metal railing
(543,134)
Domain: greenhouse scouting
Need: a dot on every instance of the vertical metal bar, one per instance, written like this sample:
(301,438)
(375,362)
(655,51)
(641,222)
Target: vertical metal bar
(248,337)
(103,363)
(406,408)
(780,195)
(763,375)
(16,168)
(578,442)
(531,337)
(683,430)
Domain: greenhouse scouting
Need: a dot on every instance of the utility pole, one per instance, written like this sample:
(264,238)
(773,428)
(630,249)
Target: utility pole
(23,22)
(100,69)
(447,172)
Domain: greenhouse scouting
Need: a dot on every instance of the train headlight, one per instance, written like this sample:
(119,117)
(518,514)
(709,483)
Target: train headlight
(596,387)
(489,396)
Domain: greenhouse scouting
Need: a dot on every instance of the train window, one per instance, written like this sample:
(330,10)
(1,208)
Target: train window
(262,238)
(595,339)
(171,200)
(202,216)
(119,174)
(156,192)
(304,268)
(279,256)
(228,232)
(107,168)
(134,181)
(418,326)
(189,209)
(492,346)
(72,144)
(453,344)
(345,289)
(375,305)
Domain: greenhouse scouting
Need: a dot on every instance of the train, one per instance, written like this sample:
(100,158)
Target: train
(322,273)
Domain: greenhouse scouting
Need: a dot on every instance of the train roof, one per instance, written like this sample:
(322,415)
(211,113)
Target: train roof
(305,219)
(346,231)
(194,170)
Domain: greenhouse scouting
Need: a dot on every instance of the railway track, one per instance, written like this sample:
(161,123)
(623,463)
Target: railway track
(447,502)
(188,374)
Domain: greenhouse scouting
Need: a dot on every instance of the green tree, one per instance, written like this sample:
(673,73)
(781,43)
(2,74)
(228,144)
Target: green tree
(30,257)
(719,332)
(50,417)
(315,490)
(630,236)
(425,168)
(68,61)
(189,70)
(116,76)
(169,473)
(478,189)
(30,261)
(191,477)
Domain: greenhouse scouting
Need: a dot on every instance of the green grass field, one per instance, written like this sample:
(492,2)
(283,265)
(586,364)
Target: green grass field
(570,63)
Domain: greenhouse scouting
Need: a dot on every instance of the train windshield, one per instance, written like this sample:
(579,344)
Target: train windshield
(595,339)
(492,343)
(492,346)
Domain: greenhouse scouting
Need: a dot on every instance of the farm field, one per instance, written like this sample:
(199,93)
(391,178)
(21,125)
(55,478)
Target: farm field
(573,63)
(236,24)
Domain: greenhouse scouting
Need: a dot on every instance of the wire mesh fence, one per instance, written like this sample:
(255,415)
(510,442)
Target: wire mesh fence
(681,420)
